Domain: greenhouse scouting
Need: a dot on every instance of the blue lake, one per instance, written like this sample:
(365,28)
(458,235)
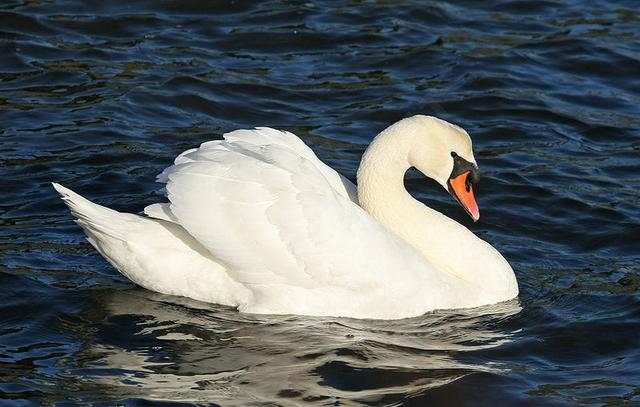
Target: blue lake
(101,96)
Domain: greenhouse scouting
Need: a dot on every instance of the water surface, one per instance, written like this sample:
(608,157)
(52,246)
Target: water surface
(101,96)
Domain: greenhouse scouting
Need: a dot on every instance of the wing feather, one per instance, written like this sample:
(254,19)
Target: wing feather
(274,214)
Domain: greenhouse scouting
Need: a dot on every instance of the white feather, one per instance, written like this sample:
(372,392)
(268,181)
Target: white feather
(257,221)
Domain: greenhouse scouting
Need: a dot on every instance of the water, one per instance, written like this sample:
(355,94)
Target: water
(101,96)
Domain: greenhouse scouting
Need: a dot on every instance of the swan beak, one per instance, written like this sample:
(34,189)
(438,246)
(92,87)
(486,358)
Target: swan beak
(461,188)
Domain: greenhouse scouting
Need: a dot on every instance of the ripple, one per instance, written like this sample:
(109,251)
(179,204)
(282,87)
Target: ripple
(102,96)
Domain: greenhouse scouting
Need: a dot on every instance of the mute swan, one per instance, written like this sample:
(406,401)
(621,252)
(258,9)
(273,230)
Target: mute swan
(256,221)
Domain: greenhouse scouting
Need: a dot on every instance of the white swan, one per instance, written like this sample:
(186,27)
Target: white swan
(256,221)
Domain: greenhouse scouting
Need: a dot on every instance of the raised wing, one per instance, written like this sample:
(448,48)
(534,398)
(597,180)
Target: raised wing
(266,136)
(262,203)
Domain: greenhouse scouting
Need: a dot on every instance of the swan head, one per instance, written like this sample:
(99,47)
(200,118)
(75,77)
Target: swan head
(443,151)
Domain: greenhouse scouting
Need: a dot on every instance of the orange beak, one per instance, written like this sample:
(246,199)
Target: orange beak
(462,188)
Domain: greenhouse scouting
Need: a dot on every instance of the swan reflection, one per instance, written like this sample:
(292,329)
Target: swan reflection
(151,346)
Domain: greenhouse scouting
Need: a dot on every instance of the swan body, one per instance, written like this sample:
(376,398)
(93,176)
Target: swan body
(256,221)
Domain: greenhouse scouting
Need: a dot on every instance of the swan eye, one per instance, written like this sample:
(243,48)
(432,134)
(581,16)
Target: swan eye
(454,154)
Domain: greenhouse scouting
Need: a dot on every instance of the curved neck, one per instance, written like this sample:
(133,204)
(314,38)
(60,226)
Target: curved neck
(380,179)
(382,194)
(446,244)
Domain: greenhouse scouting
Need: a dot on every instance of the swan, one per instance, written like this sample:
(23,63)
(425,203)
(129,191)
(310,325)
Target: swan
(257,222)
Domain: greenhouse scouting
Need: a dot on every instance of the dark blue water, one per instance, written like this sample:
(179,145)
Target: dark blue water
(101,96)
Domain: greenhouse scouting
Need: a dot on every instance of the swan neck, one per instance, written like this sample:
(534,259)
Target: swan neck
(381,175)
(445,244)
(381,192)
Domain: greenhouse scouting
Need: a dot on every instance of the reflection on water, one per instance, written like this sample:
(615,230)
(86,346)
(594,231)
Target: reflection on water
(182,350)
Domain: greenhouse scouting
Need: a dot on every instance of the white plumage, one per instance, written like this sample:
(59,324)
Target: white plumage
(258,222)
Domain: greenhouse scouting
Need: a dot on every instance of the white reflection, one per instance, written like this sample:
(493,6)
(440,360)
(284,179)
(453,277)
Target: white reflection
(140,344)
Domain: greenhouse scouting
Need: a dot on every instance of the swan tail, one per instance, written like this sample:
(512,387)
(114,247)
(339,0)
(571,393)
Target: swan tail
(93,218)
(155,254)
(111,233)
